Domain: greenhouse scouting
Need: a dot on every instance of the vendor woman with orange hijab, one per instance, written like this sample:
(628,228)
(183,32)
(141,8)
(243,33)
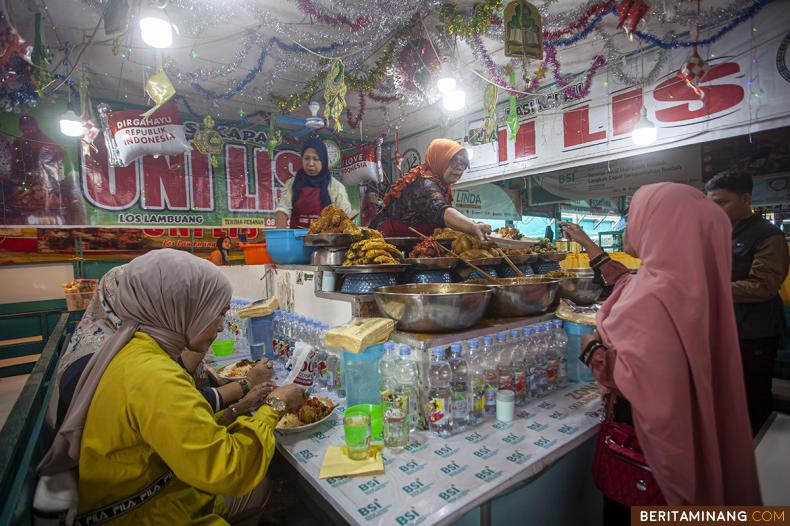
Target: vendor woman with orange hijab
(422,199)
(311,190)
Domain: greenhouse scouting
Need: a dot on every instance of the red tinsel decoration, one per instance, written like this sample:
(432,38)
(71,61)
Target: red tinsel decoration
(581,23)
(631,12)
(310,9)
(354,122)
(383,98)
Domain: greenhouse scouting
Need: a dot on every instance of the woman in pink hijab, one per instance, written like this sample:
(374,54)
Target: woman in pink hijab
(669,347)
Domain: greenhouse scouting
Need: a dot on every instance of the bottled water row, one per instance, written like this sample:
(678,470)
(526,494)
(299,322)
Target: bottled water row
(462,389)
(324,364)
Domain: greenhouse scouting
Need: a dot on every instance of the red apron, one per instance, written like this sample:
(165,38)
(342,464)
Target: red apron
(394,228)
(306,208)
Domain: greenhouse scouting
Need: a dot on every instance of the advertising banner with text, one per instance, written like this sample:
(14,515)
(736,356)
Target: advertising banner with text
(746,90)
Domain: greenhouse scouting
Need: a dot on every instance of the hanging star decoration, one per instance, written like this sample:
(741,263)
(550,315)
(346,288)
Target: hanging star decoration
(275,136)
(489,105)
(207,140)
(693,72)
(335,94)
(512,117)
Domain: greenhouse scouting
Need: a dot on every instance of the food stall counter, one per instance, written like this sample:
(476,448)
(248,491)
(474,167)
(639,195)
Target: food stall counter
(436,481)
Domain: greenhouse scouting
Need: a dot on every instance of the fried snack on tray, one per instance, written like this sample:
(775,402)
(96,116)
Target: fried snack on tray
(427,248)
(445,233)
(476,253)
(374,251)
(509,232)
(333,221)
(314,409)
(371,233)
(516,251)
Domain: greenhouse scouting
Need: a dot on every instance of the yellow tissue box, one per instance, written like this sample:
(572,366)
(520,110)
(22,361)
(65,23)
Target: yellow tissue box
(337,464)
(359,334)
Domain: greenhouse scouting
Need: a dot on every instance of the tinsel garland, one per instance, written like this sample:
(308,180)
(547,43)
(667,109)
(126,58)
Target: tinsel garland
(307,7)
(359,82)
(234,90)
(384,99)
(551,57)
(455,23)
(745,15)
(353,122)
(481,54)
(249,40)
(594,11)
(581,35)
(614,61)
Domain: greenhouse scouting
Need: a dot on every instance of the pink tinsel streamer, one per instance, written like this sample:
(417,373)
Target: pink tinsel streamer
(310,9)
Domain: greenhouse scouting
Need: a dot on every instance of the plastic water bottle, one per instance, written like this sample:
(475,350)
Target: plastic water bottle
(477,382)
(276,331)
(517,363)
(406,374)
(561,341)
(460,385)
(504,366)
(440,415)
(552,357)
(541,356)
(531,365)
(491,377)
(394,406)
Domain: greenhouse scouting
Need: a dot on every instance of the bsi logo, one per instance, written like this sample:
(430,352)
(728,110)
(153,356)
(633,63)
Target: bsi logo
(304,456)
(411,467)
(410,517)
(488,474)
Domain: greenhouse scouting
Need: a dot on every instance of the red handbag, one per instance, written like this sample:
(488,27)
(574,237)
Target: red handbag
(619,467)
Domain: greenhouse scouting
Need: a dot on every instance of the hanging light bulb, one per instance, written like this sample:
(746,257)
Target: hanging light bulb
(645,132)
(446,82)
(70,124)
(155,28)
(455,100)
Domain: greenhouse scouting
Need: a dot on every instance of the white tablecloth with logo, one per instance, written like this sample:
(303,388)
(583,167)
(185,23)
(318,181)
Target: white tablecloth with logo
(436,480)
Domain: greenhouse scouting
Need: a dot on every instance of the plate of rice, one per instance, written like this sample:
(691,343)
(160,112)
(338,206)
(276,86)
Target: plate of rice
(237,371)
(315,411)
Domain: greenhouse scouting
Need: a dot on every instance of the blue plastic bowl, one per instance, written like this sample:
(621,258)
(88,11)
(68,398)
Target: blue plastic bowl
(286,247)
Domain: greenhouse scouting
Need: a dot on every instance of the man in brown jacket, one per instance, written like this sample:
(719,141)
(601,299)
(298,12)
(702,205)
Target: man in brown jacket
(759,266)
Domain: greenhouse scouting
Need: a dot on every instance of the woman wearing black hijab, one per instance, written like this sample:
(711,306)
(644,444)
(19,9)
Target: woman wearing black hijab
(311,190)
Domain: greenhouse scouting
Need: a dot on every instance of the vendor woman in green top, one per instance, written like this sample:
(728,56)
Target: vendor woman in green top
(311,190)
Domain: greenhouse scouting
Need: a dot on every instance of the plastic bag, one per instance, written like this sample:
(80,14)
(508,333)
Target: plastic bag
(128,136)
(363,166)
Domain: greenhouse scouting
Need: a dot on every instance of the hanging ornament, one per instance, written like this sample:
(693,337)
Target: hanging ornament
(523,30)
(88,119)
(693,72)
(207,140)
(10,42)
(630,13)
(489,106)
(275,136)
(512,117)
(42,57)
(159,89)
(335,94)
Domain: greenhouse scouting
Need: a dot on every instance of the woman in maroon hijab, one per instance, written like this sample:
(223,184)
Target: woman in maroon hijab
(669,347)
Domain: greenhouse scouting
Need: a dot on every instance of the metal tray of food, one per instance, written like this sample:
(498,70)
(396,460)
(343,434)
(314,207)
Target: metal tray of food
(403,243)
(504,242)
(439,263)
(485,262)
(554,256)
(329,240)
(521,259)
(370,269)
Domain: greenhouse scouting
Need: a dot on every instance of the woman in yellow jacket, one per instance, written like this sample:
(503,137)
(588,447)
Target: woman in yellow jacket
(147,446)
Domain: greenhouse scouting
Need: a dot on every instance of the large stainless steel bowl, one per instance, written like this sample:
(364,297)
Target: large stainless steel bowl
(433,307)
(516,297)
(581,290)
